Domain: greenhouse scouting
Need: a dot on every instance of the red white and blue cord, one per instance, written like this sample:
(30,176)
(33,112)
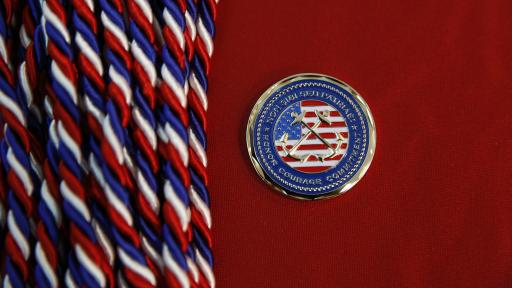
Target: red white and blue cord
(173,139)
(86,263)
(103,143)
(118,151)
(16,152)
(201,215)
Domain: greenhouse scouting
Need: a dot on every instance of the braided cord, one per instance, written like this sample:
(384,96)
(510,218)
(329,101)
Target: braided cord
(93,86)
(86,264)
(16,153)
(90,68)
(47,256)
(50,218)
(135,265)
(144,52)
(190,36)
(173,144)
(3,196)
(198,79)
(7,78)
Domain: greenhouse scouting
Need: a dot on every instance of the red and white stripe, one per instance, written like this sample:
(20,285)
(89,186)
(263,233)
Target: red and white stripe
(313,145)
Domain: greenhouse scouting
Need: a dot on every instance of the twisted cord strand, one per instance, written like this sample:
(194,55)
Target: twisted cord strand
(3,195)
(91,67)
(173,144)
(86,264)
(30,32)
(51,23)
(190,37)
(49,202)
(28,81)
(47,271)
(143,50)
(135,267)
(91,86)
(16,159)
(201,217)
(6,75)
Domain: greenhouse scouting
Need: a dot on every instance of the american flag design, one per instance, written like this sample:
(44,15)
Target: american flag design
(317,148)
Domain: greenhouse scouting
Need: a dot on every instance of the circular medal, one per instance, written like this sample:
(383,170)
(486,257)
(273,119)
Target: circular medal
(311,136)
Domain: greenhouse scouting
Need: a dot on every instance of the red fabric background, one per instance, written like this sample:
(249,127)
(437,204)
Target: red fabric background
(435,208)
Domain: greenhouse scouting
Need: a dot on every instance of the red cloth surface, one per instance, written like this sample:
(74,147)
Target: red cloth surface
(435,207)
